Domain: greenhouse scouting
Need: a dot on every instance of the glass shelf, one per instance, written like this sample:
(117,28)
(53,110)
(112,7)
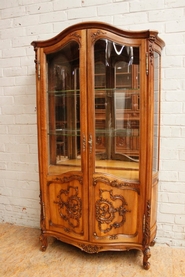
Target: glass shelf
(65,132)
(65,93)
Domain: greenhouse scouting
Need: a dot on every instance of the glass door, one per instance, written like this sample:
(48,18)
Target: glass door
(114,109)
(117,117)
(66,189)
(64,108)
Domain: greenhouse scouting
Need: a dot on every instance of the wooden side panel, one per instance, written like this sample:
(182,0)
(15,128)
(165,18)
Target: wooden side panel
(153,222)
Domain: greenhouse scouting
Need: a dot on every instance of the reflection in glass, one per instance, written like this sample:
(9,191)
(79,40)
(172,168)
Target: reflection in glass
(156,111)
(64,106)
(117,108)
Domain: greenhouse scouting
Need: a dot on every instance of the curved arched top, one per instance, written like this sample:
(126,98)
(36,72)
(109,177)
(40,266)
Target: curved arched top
(146,34)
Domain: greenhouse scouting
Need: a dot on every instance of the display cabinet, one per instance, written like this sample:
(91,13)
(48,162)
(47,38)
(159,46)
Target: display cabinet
(98,114)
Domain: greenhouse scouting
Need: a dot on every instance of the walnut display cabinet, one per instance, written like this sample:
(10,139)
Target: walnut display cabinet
(98,107)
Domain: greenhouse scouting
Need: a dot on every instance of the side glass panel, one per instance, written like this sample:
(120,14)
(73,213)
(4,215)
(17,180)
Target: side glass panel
(64,107)
(156,111)
(117,119)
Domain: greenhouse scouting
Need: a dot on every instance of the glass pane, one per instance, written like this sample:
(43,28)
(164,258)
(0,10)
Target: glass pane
(64,107)
(117,122)
(156,111)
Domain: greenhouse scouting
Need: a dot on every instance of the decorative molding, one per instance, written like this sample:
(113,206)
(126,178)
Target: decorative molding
(146,235)
(151,48)
(117,184)
(67,179)
(35,61)
(113,237)
(42,213)
(89,248)
(77,37)
(106,212)
(95,35)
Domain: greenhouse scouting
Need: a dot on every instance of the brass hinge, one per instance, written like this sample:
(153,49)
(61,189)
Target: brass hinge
(146,63)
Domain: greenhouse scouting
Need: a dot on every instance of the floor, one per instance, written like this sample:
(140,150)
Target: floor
(20,257)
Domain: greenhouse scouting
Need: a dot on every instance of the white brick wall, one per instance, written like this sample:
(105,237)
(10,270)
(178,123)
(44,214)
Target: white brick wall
(23,21)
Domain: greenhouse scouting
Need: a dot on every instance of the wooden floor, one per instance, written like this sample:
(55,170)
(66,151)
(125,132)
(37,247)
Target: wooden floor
(20,257)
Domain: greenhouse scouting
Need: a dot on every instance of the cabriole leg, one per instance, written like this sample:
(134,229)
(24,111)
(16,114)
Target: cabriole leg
(43,242)
(146,256)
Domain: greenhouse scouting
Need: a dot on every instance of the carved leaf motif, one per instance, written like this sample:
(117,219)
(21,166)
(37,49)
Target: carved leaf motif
(106,212)
(117,184)
(151,50)
(70,206)
(68,179)
(97,34)
(90,248)
(77,36)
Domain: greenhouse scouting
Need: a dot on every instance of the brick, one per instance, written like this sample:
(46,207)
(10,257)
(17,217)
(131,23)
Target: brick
(180,219)
(17,148)
(166,175)
(166,218)
(5,24)
(168,107)
(174,3)
(171,208)
(136,6)
(24,22)
(173,119)
(122,20)
(174,165)
(15,71)
(181,175)
(16,11)
(57,16)
(165,15)
(82,13)
(175,95)
(86,3)
(13,32)
(29,119)
(40,29)
(112,9)
(178,49)
(175,26)
(169,153)
(40,8)
(66,4)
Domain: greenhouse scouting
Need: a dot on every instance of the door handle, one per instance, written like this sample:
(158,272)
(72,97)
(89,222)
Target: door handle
(90,144)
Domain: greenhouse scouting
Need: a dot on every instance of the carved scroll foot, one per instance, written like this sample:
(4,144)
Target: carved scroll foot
(43,242)
(146,256)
